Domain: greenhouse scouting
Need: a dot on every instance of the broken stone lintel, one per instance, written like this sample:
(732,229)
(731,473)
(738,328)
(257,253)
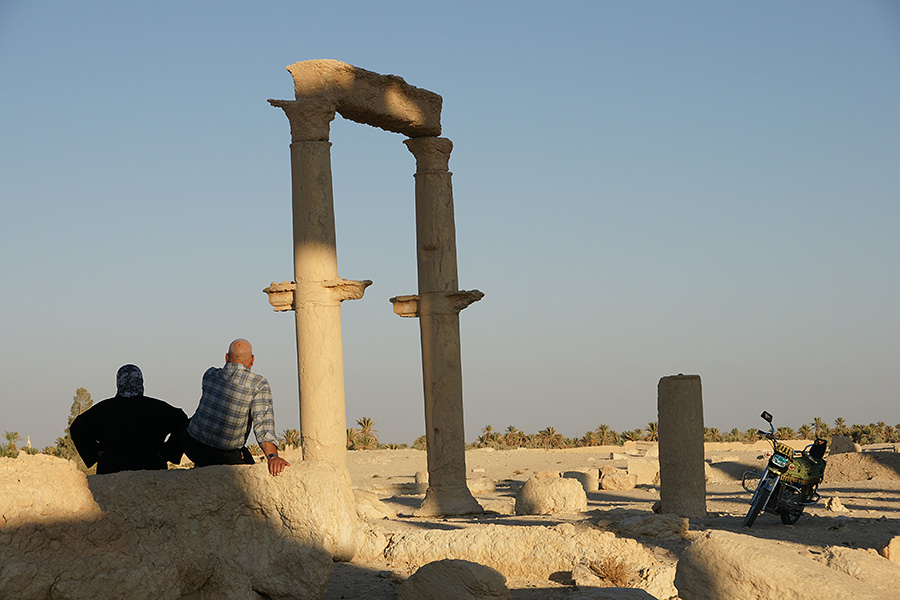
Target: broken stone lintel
(435,303)
(323,293)
(384,101)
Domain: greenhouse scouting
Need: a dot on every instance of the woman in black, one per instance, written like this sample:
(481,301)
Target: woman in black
(128,431)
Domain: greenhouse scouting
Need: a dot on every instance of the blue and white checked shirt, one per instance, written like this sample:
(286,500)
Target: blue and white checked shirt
(233,400)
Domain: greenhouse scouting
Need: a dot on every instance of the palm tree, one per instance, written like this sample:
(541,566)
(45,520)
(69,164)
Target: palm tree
(352,435)
(805,432)
(633,435)
(606,434)
(821,427)
(367,429)
(785,433)
(549,438)
(12,437)
(291,437)
(711,434)
(652,434)
(840,426)
(488,436)
(514,438)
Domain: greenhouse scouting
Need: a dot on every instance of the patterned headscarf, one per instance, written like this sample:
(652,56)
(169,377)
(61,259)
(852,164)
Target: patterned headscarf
(129,382)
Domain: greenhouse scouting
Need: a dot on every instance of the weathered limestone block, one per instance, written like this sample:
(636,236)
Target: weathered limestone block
(546,474)
(451,579)
(55,542)
(618,480)
(511,549)
(550,495)
(647,525)
(864,565)
(841,444)
(310,505)
(370,507)
(730,470)
(588,478)
(645,469)
(384,101)
(481,485)
(43,489)
(892,550)
(720,564)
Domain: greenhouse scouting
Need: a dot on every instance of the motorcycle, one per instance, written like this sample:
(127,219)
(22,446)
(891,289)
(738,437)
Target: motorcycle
(790,481)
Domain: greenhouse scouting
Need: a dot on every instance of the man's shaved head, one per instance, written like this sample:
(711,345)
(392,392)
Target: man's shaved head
(240,351)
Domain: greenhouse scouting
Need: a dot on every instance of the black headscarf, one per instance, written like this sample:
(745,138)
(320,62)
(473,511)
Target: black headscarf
(129,382)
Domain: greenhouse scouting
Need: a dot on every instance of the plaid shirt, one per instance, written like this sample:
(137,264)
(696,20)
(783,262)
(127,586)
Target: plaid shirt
(233,400)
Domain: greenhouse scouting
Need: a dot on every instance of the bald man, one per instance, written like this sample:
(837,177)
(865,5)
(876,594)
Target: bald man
(233,401)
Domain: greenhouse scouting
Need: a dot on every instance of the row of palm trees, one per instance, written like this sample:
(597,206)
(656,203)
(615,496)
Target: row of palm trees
(604,435)
(365,436)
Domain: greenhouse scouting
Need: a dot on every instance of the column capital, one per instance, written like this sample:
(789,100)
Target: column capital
(432,153)
(435,303)
(287,295)
(310,119)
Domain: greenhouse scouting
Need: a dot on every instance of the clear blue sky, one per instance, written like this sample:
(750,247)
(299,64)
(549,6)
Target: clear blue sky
(642,189)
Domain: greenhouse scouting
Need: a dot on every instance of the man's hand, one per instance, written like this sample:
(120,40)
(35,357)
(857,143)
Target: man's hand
(276,463)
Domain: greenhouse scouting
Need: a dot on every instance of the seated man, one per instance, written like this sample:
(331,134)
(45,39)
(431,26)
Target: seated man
(233,400)
(128,431)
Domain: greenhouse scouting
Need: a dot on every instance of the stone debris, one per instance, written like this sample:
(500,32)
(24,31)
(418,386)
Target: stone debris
(481,485)
(453,579)
(550,495)
(588,478)
(517,551)
(721,564)
(865,566)
(645,469)
(370,507)
(617,479)
(841,444)
(834,504)
(892,550)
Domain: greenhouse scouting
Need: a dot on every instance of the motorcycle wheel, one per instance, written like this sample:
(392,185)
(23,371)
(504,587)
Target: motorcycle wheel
(789,507)
(758,503)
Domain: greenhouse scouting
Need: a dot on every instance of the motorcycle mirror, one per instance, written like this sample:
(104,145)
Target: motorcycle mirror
(765,415)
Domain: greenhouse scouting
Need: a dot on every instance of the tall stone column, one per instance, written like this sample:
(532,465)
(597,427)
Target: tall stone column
(317,290)
(682,476)
(438,305)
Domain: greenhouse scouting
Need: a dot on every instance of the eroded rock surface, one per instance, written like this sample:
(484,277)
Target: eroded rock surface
(720,564)
(454,580)
(216,531)
(550,495)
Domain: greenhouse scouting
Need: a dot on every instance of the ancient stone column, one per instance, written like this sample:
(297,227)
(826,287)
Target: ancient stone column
(438,305)
(682,476)
(317,289)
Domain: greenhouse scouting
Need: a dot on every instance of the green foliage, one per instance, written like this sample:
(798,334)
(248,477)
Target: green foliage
(64,447)
(364,438)
(290,438)
(420,443)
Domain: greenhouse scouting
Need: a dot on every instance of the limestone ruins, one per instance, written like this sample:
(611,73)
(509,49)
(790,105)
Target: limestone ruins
(323,88)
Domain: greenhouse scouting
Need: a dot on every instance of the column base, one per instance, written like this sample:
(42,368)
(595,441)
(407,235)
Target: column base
(448,501)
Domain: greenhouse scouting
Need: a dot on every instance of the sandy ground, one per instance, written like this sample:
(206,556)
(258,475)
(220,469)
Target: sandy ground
(871,519)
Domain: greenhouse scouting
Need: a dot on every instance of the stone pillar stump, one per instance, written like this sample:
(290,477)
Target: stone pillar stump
(682,477)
